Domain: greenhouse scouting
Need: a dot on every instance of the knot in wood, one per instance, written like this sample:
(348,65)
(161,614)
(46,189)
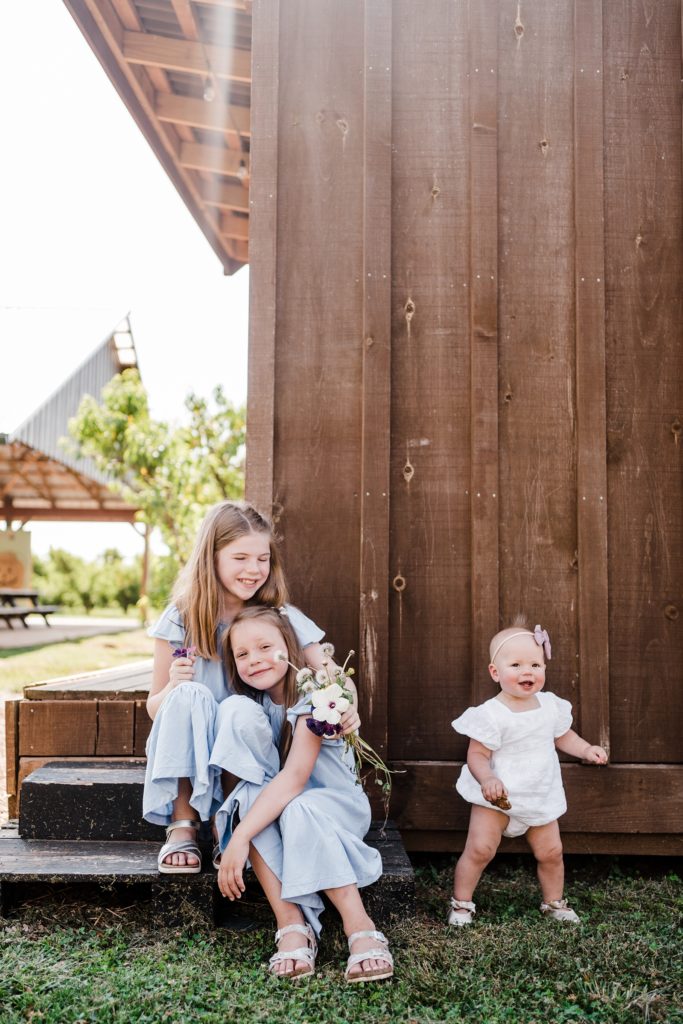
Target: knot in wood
(399,583)
(408,472)
(543,144)
(409,310)
(671,612)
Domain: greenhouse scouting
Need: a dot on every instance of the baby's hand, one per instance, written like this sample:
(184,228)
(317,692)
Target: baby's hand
(595,755)
(494,791)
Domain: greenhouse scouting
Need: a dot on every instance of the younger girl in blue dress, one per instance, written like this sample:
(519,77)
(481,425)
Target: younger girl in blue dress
(298,812)
(235,561)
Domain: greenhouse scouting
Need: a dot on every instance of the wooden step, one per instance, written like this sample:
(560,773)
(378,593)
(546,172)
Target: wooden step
(112,862)
(89,800)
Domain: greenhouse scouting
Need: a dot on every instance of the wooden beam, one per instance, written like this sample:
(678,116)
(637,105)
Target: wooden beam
(107,43)
(228,5)
(225,197)
(199,157)
(214,115)
(76,515)
(239,250)
(235,227)
(185,15)
(191,57)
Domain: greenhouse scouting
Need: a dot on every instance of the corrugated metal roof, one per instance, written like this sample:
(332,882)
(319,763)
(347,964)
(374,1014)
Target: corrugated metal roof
(38,476)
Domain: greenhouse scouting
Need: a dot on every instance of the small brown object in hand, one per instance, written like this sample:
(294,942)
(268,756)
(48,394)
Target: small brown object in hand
(502,803)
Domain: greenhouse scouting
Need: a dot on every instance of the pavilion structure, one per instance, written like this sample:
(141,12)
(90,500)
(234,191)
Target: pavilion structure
(39,478)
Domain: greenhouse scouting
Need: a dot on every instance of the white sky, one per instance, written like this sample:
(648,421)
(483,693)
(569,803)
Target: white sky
(91,228)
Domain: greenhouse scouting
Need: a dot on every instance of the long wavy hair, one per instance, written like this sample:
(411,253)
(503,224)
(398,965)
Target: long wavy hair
(198,592)
(291,648)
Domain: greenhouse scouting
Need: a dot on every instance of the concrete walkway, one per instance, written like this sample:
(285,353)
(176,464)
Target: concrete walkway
(64,627)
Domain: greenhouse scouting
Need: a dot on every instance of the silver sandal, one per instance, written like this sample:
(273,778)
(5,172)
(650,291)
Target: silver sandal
(181,846)
(305,953)
(458,920)
(376,953)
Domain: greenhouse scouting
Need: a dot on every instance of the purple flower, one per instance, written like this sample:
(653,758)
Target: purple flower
(323,728)
(184,652)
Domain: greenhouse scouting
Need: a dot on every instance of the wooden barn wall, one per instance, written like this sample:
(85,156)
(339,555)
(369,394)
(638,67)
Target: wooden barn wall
(465,366)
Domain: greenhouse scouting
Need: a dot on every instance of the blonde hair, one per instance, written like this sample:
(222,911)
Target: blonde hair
(294,655)
(197,591)
(520,622)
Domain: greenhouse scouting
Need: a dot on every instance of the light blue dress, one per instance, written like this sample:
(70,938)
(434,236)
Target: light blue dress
(317,842)
(185,729)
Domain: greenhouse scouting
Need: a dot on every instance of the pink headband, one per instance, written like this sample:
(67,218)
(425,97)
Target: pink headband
(540,636)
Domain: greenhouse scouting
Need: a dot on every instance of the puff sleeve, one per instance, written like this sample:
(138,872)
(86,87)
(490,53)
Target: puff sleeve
(479,724)
(563,716)
(306,630)
(169,627)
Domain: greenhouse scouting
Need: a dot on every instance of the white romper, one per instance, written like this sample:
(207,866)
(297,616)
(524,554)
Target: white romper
(524,758)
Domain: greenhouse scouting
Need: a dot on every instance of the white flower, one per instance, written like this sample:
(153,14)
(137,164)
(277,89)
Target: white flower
(303,675)
(322,677)
(328,650)
(329,704)
(308,685)
(279,656)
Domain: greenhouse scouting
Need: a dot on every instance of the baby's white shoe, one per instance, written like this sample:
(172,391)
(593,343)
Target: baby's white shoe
(559,910)
(459,919)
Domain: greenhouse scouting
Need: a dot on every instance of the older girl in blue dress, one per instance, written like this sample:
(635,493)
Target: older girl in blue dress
(235,562)
(297,812)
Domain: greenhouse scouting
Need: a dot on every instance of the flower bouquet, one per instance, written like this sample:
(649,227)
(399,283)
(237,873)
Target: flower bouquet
(329,700)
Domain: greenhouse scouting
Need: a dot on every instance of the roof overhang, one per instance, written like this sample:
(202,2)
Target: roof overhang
(183,69)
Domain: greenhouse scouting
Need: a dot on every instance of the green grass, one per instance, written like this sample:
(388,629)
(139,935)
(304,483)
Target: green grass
(66,961)
(19,667)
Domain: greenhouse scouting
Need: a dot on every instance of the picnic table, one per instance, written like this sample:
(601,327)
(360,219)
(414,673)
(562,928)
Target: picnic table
(10,609)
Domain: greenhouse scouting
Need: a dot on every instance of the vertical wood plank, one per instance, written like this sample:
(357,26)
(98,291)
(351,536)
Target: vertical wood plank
(591,423)
(644,324)
(430,649)
(376,375)
(143,727)
(11,709)
(263,243)
(536,327)
(483,290)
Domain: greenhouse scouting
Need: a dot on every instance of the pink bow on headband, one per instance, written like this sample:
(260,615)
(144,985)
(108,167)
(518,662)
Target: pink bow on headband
(543,640)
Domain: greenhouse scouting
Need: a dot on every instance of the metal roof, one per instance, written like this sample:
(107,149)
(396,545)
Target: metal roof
(39,479)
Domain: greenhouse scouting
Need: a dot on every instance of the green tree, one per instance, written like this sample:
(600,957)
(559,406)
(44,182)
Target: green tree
(171,474)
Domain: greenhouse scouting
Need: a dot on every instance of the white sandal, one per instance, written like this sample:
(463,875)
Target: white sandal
(458,920)
(376,953)
(305,953)
(181,846)
(559,910)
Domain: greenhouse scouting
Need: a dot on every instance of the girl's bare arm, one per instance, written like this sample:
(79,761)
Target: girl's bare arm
(571,743)
(167,673)
(479,763)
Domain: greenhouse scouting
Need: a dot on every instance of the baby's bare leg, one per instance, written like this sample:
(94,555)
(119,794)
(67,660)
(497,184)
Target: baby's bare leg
(483,839)
(546,846)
